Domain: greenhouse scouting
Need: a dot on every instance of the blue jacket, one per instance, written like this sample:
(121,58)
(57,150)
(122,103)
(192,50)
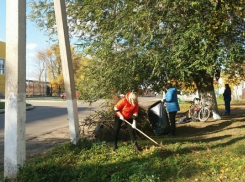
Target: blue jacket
(172,100)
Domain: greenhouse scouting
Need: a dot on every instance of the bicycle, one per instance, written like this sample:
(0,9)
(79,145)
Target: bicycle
(198,110)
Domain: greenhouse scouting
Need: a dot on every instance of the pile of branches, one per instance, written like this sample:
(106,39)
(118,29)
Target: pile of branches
(103,122)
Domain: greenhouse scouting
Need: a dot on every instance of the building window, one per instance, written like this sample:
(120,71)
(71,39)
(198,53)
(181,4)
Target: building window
(2,66)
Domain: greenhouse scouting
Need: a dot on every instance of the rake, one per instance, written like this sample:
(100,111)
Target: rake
(142,133)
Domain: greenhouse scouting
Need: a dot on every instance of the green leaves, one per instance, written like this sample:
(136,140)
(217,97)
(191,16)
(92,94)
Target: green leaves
(144,43)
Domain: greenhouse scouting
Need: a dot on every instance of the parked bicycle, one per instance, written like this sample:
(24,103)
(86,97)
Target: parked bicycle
(198,110)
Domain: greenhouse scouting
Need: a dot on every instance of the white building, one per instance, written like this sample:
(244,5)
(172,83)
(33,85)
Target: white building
(237,92)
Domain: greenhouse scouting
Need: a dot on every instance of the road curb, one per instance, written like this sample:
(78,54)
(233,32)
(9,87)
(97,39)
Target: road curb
(27,108)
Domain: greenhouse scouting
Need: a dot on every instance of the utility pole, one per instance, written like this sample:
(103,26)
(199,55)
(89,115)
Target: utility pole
(28,80)
(15,93)
(45,89)
(67,68)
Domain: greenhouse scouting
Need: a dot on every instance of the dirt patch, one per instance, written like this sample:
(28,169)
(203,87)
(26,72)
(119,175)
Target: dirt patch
(230,127)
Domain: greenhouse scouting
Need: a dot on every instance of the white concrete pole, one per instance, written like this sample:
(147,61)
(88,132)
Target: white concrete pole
(67,68)
(15,98)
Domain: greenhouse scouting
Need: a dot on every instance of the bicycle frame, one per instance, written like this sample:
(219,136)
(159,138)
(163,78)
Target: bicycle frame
(194,109)
(199,111)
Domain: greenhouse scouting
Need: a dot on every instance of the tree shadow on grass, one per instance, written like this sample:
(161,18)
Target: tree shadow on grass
(128,168)
(230,142)
(202,140)
(161,165)
(222,133)
(197,129)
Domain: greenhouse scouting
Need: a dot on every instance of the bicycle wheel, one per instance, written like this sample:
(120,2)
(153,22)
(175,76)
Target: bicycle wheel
(203,114)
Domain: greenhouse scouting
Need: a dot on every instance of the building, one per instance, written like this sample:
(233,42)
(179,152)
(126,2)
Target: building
(2,67)
(35,88)
(237,91)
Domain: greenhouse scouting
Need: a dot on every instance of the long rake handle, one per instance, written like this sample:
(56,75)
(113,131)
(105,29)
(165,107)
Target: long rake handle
(142,132)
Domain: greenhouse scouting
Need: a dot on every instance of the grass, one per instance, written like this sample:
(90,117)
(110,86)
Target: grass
(45,98)
(210,151)
(185,105)
(214,152)
(2,105)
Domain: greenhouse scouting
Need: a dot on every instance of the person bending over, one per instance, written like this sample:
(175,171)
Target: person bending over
(126,109)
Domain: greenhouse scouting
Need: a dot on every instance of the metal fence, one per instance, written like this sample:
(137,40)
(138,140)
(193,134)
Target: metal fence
(37,89)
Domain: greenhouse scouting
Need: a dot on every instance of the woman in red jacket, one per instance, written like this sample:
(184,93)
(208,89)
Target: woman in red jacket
(126,109)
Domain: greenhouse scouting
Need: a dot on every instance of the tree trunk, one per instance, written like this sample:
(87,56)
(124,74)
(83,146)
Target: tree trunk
(204,83)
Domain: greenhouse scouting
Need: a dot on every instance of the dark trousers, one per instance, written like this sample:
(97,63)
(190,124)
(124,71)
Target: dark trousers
(172,122)
(117,126)
(227,107)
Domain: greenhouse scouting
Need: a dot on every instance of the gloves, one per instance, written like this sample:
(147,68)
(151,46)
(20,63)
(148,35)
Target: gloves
(121,117)
(134,124)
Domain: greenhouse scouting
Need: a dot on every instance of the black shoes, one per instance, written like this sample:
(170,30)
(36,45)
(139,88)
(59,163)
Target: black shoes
(171,135)
(114,148)
(136,147)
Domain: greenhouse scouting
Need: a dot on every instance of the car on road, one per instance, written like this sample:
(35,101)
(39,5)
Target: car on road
(63,95)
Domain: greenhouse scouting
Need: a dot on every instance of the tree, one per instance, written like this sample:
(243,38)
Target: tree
(146,43)
(50,60)
(40,70)
(208,37)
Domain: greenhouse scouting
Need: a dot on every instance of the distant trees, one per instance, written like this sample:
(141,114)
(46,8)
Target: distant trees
(49,60)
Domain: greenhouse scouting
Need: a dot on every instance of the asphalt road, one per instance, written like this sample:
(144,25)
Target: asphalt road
(49,115)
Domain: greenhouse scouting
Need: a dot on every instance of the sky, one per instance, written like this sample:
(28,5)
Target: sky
(35,40)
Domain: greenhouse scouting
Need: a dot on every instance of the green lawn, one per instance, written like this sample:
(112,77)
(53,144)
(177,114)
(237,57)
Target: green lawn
(2,105)
(196,156)
(45,98)
(210,151)
(185,105)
